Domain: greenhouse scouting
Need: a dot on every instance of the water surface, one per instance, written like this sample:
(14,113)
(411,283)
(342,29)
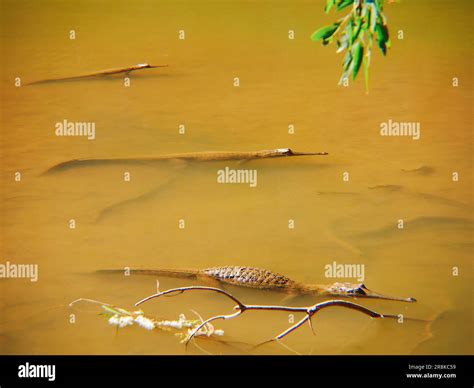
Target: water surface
(282,82)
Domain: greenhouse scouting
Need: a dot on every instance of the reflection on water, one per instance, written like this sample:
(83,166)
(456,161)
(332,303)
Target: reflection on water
(283,82)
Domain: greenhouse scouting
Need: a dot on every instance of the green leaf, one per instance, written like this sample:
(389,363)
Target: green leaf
(356,30)
(357,53)
(367,18)
(382,31)
(382,37)
(325,32)
(347,60)
(374,16)
(329,5)
(379,5)
(111,310)
(343,4)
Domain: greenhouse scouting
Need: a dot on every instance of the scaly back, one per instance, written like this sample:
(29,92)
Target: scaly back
(249,277)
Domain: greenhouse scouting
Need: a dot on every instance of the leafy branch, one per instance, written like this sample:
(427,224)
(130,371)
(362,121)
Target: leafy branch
(354,34)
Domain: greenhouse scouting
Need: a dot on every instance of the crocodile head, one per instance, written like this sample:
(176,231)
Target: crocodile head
(290,152)
(284,151)
(148,66)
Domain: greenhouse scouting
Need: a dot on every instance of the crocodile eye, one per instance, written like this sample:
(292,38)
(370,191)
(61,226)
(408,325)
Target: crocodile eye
(357,291)
(360,290)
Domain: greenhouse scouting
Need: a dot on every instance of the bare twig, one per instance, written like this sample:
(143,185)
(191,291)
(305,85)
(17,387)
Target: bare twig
(88,301)
(311,311)
(209,320)
(181,290)
(242,307)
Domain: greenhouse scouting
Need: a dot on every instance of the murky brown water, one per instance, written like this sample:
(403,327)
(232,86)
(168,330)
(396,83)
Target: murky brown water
(282,82)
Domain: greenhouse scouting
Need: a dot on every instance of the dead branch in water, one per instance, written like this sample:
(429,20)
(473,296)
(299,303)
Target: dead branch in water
(241,307)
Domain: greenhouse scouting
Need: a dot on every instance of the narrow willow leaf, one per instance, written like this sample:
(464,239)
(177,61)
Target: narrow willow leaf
(358,53)
(343,4)
(325,32)
(124,312)
(329,5)
(348,30)
(346,74)
(367,18)
(356,30)
(382,37)
(347,61)
(383,47)
(373,17)
(379,5)
(364,10)
(382,31)
(111,310)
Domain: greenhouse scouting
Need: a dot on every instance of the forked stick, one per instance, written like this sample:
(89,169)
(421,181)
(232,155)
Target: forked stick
(242,307)
(180,290)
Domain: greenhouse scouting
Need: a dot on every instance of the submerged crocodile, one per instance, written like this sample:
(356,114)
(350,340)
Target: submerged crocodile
(126,70)
(262,279)
(192,156)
